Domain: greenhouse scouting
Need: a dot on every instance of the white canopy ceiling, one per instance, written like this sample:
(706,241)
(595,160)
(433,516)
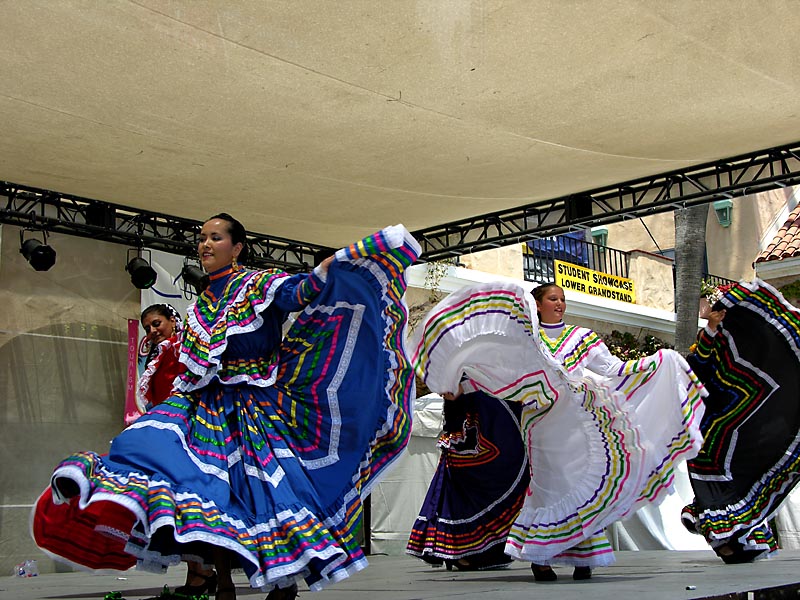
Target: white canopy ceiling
(323,120)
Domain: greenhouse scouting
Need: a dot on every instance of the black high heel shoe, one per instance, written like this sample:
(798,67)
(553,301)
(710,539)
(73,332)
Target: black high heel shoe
(226,593)
(543,573)
(736,554)
(209,585)
(581,573)
(459,565)
(287,593)
(464,565)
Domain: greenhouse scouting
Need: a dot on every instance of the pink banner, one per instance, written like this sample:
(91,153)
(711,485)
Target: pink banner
(131,412)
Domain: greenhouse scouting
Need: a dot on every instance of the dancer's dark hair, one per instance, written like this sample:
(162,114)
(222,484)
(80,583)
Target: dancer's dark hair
(168,312)
(165,310)
(540,291)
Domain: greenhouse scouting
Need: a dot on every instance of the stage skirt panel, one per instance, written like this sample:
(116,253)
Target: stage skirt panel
(599,447)
(750,460)
(272,464)
(478,487)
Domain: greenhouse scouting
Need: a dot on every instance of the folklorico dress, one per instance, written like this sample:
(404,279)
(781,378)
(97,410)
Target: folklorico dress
(267,447)
(600,444)
(155,382)
(750,460)
(478,487)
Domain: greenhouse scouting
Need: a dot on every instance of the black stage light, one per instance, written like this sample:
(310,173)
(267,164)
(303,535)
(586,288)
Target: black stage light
(195,276)
(40,256)
(143,276)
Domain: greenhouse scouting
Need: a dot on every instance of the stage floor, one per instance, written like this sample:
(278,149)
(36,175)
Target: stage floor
(653,575)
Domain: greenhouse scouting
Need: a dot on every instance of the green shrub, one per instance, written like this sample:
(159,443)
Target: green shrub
(627,346)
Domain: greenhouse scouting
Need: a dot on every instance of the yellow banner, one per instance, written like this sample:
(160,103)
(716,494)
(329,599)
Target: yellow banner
(594,283)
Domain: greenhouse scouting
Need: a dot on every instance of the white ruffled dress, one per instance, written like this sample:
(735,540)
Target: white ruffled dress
(603,436)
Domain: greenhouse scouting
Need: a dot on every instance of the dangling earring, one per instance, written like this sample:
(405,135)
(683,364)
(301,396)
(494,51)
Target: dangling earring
(234,264)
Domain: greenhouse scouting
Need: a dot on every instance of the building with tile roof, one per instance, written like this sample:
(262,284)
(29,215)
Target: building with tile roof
(779,263)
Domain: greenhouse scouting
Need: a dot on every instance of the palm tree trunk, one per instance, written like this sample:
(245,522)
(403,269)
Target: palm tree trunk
(690,247)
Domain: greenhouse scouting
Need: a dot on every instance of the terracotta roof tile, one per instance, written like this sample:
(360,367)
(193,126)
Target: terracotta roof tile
(786,243)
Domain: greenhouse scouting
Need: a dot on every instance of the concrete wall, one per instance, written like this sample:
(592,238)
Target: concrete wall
(731,250)
(652,278)
(63,363)
(650,234)
(506,261)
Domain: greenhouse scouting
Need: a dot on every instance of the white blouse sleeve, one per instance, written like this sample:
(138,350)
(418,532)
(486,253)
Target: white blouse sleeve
(601,361)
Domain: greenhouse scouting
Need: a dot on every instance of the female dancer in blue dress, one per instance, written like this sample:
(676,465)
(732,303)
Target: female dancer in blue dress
(266,447)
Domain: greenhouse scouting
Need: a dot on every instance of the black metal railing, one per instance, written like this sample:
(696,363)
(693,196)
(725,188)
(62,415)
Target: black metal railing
(539,257)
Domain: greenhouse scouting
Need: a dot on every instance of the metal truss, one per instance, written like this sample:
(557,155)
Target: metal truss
(729,178)
(33,208)
(37,209)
